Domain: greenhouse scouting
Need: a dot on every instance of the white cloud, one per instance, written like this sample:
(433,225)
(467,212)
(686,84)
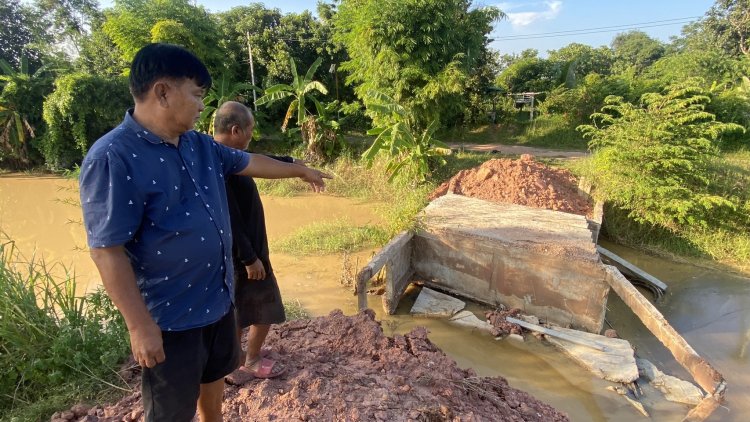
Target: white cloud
(520,19)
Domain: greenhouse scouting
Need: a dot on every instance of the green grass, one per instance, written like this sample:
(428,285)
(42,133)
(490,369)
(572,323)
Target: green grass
(550,132)
(294,310)
(725,244)
(329,237)
(729,250)
(55,348)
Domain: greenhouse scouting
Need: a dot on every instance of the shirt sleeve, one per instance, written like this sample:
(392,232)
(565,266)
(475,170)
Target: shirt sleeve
(232,160)
(112,207)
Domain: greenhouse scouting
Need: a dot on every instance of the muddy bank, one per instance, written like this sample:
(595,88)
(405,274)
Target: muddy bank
(523,182)
(344,368)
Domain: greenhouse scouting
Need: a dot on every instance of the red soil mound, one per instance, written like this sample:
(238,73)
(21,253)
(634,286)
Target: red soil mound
(344,368)
(523,182)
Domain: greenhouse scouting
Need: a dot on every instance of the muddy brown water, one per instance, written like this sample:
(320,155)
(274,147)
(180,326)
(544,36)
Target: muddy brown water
(710,309)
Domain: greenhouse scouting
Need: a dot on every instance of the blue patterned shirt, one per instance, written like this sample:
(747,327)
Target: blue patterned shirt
(167,206)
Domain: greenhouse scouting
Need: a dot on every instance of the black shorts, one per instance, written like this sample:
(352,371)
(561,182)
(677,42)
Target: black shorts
(197,356)
(258,301)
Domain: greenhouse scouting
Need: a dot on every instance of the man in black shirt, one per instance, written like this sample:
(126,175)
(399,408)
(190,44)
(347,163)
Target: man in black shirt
(257,298)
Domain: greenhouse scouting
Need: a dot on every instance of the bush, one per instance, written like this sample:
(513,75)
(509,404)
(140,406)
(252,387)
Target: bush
(577,104)
(656,160)
(80,110)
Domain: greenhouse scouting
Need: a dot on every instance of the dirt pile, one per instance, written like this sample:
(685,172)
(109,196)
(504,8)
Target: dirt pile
(344,368)
(501,326)
(523,182)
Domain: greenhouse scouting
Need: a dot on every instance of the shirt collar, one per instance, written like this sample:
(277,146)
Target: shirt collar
(130,123)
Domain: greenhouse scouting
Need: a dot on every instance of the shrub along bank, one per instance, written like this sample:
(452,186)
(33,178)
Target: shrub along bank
(55,348)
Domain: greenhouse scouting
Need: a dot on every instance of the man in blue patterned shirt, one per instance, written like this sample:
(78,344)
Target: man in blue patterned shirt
(155,212)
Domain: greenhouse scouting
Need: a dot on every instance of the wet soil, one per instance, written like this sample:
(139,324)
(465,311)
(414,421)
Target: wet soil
(524,182)
(344,368)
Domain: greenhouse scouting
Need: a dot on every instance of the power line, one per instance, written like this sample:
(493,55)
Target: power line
(652,24)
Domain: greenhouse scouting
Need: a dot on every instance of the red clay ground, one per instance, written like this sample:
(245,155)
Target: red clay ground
(343,368)
(523,182)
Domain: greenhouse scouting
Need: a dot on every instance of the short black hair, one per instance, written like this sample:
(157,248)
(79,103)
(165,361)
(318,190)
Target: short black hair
(231,114)
(160,60)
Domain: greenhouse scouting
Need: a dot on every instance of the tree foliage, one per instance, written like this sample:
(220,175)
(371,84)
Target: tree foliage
(21,113)
(578,103)
(578,60)
(80,110)
(635,49)
(655,159)
(419,52)
(729,21)
(131,24)
(17,33)
(529,74)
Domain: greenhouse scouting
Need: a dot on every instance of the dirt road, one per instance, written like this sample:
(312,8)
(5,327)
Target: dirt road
(518,150)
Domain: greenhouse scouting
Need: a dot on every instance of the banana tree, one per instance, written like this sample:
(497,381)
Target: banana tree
(396,137)
(222,91)
(15,129)
(300,90)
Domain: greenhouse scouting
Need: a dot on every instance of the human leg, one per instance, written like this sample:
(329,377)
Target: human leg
(256,336)
(209,401)
(170,389)
(222,350)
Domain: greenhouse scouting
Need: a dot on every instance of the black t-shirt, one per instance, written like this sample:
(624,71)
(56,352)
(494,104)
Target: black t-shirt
(249,238)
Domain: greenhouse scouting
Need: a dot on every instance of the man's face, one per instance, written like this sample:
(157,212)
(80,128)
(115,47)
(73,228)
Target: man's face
(185,103)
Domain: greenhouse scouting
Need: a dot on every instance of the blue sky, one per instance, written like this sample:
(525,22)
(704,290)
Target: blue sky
(546,24)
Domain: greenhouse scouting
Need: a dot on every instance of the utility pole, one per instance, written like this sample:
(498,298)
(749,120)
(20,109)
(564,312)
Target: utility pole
(336,82)
(252,69)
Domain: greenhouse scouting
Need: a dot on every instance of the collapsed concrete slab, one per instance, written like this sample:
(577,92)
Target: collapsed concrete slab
(468,319)
(436,304)
(615,363)
(674,389)
(543,262)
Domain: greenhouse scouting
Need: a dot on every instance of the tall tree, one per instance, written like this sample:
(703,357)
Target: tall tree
(419,52)
(529,74)
(635,49)
(729,20)
(252,26)
(578,60)
(17,33)
(131,24)
(71,18)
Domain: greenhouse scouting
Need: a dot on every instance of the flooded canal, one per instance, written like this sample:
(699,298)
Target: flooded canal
(710,309)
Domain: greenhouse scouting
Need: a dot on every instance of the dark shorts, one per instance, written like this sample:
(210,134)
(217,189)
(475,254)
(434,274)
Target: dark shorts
(197,356)
(258,302)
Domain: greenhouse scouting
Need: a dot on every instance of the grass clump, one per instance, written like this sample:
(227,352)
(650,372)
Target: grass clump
(55,348)
(331,237)
(294,310)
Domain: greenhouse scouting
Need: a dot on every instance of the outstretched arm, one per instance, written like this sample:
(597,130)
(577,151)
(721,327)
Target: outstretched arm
(268,168)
